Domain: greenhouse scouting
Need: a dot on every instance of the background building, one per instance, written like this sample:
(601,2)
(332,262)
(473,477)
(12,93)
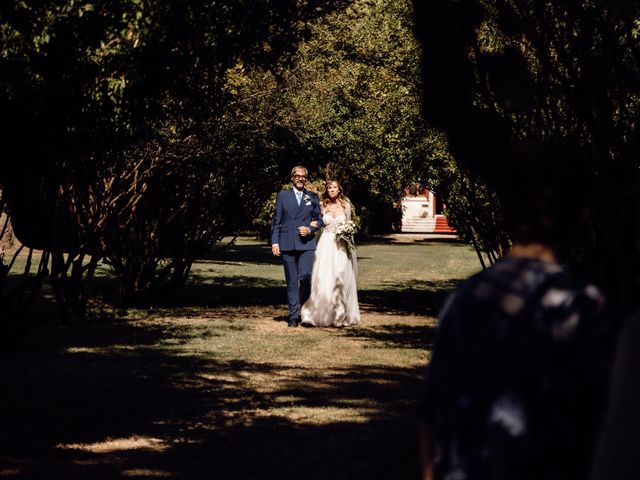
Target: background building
(421,212)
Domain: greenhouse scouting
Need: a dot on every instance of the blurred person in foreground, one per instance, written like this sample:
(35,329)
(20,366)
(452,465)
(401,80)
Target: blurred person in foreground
(516,382)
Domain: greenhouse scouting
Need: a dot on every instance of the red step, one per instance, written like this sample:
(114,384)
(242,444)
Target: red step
(442,226)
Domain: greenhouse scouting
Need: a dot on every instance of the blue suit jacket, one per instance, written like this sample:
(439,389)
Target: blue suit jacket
(289,216)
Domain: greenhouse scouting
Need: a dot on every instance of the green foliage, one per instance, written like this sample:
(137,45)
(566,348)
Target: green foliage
(124,137)
(350,97)
(141,131)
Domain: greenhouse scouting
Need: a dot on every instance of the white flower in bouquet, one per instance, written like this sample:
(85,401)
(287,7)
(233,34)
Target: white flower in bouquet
(345,231)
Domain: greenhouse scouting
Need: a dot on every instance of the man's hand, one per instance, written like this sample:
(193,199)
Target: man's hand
(304,231)
(275,249)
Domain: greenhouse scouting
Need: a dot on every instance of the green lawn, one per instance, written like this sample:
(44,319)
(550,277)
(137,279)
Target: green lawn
(212,383)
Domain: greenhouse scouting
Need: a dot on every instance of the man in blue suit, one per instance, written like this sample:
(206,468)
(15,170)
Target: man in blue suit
(295,222)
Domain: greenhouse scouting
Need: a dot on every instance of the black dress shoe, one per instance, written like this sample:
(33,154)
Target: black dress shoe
(293,322)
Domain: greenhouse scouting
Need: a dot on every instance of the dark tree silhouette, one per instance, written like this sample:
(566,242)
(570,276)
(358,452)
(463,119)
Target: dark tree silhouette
(504,70)
(116,132)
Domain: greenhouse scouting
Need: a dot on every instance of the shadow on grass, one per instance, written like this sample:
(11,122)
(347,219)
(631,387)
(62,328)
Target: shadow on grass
(254,253)
(122,399)
(420,297)
(201,291)
(228,291)
(98,410)
(417,298)
(420,337)
(209,290)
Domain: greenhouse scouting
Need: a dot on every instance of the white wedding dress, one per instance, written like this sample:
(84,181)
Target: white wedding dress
(334,296)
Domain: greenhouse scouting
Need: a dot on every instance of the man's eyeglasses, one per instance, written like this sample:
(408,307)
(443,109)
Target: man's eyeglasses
(301,177)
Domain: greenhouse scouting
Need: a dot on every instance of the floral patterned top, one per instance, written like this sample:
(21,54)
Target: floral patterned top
(516,384)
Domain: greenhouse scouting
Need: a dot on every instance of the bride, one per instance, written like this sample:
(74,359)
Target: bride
(334,298)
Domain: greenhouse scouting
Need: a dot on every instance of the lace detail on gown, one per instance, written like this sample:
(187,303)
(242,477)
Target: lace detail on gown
(334,297)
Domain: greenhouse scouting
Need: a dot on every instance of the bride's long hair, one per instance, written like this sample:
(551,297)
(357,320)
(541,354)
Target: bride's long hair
(325,195)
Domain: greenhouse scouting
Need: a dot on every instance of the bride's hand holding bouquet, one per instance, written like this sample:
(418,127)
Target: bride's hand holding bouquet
(346,231)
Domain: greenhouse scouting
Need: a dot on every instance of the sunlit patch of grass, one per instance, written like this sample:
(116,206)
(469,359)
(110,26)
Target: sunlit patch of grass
(9,472)
(111,445)
(84,350)
(312,415)
(145,472)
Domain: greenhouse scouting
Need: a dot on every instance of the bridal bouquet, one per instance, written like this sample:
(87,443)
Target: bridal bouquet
(345,231)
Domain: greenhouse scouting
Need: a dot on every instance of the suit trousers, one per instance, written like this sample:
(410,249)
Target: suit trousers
(297,272)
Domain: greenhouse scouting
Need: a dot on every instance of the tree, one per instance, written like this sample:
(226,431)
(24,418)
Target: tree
(500,70)
(350,97)
(116,129)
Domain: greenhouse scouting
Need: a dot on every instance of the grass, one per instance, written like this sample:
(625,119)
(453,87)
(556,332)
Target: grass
(212,384)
